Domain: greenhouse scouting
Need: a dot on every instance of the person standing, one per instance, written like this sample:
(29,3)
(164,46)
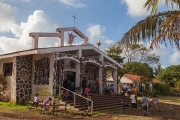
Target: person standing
(124,87)
(84,84)
(88,82)
(155,101)
(89,103)
(144,102)
(134,103)
(129,90)
(97,86)
(72,86)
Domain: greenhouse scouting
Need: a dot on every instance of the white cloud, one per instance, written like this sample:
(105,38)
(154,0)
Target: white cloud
(135,7)
(174,59)
(94,33)
(6,17)
(37,22)
(73,3)
(26,0)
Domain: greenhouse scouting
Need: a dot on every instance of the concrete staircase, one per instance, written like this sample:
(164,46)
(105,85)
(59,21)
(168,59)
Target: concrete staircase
(101,102)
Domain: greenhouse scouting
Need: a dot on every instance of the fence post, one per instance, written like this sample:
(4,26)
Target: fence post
(53,107)
(92,108)
(74,100)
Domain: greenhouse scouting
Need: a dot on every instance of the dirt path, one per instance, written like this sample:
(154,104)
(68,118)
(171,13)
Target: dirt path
(14,114)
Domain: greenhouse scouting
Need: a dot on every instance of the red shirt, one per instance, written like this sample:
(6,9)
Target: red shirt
(97,83)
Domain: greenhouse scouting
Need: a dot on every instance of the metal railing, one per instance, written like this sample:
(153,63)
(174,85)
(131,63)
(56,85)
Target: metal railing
(75,97)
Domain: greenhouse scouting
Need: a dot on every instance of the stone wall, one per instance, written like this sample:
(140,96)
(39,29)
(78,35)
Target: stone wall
(23,78)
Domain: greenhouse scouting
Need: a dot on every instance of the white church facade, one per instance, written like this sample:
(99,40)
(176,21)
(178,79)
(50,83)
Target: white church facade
(36,69)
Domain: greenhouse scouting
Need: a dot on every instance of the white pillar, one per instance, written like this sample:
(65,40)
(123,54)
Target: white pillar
(51,73)
(77,83)
(77,75)
(61,39)
(100,74)
(34,42)
(115,80)
(100,79)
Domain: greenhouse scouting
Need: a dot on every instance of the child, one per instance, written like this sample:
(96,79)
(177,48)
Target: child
(155,101)
(36,100)
(46,102)
(89,103)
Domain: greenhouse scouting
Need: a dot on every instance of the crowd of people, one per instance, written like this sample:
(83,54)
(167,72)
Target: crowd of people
(131,92)
(128,91)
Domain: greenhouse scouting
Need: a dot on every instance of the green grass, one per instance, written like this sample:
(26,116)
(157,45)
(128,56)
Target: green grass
(11,105)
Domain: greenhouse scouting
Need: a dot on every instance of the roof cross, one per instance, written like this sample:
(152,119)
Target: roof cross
(74,17)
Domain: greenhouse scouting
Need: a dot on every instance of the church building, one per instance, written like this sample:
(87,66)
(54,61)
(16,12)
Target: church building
(37,69)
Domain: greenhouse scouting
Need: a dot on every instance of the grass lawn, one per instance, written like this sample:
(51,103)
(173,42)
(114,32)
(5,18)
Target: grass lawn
(167,99)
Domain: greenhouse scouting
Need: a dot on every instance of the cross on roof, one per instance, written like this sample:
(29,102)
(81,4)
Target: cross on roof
(74,17)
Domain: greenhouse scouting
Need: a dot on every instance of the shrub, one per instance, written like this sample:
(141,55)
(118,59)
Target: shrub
(150,92)
(162,89)
(43,94)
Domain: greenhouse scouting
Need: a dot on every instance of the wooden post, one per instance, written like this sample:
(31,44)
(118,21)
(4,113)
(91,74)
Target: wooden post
(92,108)
(65,107)
(53,107)
(74,100)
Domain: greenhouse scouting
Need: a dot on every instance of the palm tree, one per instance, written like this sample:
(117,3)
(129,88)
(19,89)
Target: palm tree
(157,27)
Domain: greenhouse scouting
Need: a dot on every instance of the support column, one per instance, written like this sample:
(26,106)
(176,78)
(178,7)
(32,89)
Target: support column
(51,76)
(34,42)
(100,80)
(79,69)
(77,75)
(100,74)
(61,39)
(115,80)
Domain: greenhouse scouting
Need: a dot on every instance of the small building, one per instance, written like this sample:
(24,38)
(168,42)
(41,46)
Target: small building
(135,80)
(37,69)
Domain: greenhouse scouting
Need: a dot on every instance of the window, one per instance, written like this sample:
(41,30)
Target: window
(7,69)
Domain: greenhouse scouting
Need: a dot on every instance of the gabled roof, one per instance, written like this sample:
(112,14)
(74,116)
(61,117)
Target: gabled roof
(138,78)
(133,77)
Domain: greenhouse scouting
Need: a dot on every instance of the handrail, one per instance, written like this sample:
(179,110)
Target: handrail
(79,96)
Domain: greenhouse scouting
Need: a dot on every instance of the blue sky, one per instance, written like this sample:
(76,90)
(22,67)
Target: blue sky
(99,20)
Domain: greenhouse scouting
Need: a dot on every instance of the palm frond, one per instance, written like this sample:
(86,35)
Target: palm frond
(153,4)
(169,30)
(146,29)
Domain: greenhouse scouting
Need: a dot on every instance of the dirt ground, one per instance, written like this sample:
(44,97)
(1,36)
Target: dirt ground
(14,114)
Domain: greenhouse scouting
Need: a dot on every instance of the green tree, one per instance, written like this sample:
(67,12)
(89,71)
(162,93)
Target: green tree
(137,68)
(158,69)
(139,53)
(176,83)
(114,51)
(170,75)
(157,27)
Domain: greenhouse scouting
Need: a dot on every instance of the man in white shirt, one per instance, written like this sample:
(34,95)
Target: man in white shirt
(134,103)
